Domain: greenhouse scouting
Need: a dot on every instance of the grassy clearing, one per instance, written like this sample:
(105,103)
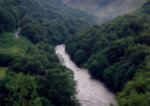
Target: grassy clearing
(3,72)
(8,43)
(11,47)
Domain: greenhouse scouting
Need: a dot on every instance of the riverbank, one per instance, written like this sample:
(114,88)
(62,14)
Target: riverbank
(90,92)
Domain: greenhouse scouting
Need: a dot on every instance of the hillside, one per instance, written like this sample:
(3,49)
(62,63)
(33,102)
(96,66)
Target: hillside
(31,74)
(105,9)
(117,53)
(41,18)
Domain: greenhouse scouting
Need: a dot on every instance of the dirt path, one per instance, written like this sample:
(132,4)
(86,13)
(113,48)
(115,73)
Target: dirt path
(17,33)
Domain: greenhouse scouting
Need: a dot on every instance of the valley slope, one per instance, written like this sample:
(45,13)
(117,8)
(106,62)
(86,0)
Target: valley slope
(117,53)
(31,74)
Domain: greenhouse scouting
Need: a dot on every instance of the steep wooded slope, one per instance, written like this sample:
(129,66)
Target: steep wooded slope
(117,53)
(34,76)
(40,20)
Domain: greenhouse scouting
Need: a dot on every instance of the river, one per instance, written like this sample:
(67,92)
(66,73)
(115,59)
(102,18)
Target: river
(90,92)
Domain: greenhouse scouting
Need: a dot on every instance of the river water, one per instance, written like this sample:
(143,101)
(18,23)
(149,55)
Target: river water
(90,92)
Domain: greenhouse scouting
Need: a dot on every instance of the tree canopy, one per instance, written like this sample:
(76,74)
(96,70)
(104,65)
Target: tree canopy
(117,53)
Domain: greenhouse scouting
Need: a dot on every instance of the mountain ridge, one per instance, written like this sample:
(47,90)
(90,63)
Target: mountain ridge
(105,10)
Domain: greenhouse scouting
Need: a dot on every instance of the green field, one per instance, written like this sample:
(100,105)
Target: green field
(8,43)
(3,72)
(11,47)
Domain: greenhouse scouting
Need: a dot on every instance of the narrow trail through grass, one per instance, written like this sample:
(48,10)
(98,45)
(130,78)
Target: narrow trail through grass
(17,33)
(11,47)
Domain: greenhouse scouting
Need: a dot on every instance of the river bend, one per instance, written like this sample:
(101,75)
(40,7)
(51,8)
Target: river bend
(90,92)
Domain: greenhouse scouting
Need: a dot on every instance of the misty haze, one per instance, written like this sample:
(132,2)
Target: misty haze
(105,9)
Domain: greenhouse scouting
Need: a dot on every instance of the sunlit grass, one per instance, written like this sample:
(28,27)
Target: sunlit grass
(11,47)
(3,72)
(8,41)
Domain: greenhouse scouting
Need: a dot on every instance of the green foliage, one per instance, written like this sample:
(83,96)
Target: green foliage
(31,32)
(11,47)
(136,92)
(116,53)
(19,90)
(143,39)
(146,7)
(7,21)
(42,21)
(80,57)
(55,83)
(3,72)
(60,79)
(36,59)
(111,51)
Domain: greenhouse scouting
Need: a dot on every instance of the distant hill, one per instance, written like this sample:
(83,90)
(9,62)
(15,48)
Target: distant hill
(105,9)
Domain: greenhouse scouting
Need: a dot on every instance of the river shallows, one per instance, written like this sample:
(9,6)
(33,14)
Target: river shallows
(90,91)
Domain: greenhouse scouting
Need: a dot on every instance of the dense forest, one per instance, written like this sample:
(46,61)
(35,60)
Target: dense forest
(40,21)
(118,54)
(30,72)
